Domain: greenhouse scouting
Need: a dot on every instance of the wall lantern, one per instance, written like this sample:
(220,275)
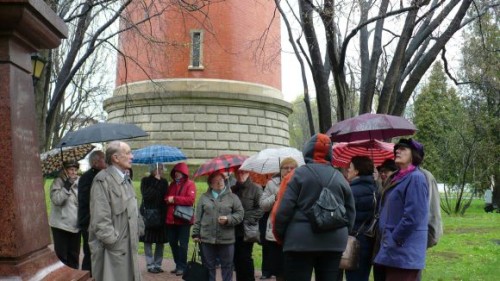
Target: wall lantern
(38,63)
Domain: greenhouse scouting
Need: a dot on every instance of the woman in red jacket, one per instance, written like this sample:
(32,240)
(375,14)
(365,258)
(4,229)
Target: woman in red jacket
(182,191)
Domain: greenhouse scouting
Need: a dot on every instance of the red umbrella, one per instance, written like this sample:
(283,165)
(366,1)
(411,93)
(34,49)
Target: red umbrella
(222,163)
(378,151)
(371,126)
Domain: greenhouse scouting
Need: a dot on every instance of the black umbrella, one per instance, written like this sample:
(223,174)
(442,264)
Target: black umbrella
(101,132)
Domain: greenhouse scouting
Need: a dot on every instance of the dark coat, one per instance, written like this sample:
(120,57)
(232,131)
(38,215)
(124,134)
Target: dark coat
(301,192)
(208,210)
(363,188)
(153,191)
(84,186)
(403,223)
(249,194)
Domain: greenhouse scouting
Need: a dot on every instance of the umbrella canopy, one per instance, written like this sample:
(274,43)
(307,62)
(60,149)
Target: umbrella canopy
(376,150)
(268,161)
(222,163)
(157,154)
(52,160)
(371,126)
(101,132)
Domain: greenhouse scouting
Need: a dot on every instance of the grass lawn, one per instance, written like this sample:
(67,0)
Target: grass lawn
(469,249)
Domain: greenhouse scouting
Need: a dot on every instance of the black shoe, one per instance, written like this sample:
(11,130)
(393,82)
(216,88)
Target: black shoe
(153,270)
(263,277)
(159,269)
(179,272)
(173,271)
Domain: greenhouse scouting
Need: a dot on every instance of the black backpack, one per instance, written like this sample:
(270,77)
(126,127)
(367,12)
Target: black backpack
(327,213)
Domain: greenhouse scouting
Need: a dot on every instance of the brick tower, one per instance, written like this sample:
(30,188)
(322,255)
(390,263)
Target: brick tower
(209,83)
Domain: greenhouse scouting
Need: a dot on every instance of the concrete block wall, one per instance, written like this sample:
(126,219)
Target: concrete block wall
(205,118)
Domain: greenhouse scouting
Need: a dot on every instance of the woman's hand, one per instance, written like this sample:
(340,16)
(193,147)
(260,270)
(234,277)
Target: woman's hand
(170,199)
(196,239)
(223,220)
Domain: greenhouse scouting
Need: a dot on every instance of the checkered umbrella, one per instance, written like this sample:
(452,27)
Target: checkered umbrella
(376,150)
(222,163)
(157,154)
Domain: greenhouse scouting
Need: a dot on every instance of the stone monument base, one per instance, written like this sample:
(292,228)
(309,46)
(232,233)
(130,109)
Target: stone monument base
(40,265)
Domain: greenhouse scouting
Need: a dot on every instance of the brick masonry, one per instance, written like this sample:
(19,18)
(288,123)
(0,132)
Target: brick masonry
(203,117)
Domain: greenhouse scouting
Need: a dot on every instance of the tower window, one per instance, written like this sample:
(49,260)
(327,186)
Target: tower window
(196,50)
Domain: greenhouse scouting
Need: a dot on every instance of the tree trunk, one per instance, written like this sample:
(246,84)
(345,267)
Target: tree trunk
(366,97)
(393,75)
(320,77)
(428,59)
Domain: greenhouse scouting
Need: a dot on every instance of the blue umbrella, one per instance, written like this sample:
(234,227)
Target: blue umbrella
(157,154)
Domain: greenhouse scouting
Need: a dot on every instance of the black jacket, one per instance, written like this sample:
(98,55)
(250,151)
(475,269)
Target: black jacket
(363,188)
(249,194)
(301,192)
(84,186)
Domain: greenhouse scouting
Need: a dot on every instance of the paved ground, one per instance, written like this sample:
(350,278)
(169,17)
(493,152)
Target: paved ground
(168,265)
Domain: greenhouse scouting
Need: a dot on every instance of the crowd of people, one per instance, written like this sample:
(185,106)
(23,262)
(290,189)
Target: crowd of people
(101,206)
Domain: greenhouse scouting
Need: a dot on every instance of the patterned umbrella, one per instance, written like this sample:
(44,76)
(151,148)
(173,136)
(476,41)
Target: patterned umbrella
(378,151)
(157,154)
(52,159)
(267,161)
(222,163)
(371,126)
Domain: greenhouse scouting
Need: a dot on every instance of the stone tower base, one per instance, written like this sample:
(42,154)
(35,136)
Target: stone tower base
(203,117)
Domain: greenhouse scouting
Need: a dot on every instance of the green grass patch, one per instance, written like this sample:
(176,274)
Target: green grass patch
(469,249)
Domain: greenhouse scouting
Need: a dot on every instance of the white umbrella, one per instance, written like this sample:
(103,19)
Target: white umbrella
(268,160)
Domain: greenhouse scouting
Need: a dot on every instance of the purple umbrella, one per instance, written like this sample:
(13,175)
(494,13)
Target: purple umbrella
(371,126)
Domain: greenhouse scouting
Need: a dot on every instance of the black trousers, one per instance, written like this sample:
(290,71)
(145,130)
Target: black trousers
(67,246)
(267,262)
(86,263)
(243,261)
(300,265)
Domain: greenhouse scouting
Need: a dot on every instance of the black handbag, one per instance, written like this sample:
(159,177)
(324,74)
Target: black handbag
(195,271)
(152,217)
(183,212)
(251,232)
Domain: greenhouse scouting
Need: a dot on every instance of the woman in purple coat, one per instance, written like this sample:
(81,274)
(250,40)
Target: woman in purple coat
(404,215)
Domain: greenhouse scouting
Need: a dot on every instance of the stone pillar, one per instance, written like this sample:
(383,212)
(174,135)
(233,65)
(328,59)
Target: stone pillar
(25,27)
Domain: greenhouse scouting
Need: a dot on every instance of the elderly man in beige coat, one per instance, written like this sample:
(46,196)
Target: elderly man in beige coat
(113,230)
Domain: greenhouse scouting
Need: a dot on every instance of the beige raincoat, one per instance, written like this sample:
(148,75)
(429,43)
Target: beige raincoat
(113,230)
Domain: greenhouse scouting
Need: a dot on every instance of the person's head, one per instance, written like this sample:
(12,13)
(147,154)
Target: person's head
(386,169)
(179,171)
(216,181)
(119,154)
(408,151)
(287,165)
(359,166)
(97,161)
(71,169)
(156,169)
(242,176)
(318,149)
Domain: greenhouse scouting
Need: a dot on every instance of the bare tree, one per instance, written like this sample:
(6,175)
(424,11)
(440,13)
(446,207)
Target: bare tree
(71,92)
(397,44)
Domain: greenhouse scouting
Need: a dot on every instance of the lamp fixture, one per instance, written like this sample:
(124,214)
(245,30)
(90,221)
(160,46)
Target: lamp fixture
(38,64)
